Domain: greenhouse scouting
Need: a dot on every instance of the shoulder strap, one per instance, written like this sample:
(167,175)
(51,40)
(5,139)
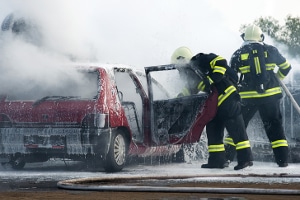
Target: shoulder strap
(258,66)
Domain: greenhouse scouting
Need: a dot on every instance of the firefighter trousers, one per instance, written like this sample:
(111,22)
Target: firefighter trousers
(271,117)
(228,116)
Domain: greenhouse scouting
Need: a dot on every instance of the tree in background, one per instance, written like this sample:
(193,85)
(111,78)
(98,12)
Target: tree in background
(288,34)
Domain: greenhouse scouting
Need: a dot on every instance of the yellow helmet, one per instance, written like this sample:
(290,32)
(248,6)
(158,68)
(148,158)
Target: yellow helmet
(253,33)
(181,55)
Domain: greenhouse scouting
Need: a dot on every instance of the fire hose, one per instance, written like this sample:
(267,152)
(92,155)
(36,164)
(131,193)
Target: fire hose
(288,93)
(115,184)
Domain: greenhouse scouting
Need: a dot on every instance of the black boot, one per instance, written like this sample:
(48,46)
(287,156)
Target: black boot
(243,165)
(281,156)
(245,158)
(216,160)
(230,152)
(218,166)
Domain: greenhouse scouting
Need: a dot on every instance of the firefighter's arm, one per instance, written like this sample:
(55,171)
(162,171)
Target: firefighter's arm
(219,70)
(283,70)
(184,92)
(283,65)
(204,85)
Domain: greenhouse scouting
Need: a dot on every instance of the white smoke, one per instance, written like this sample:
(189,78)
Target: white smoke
(138,33)
(133,32)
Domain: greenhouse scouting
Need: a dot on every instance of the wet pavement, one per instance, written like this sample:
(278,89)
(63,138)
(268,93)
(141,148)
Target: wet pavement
(161,181)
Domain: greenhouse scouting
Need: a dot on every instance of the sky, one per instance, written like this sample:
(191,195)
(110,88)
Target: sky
(136,32)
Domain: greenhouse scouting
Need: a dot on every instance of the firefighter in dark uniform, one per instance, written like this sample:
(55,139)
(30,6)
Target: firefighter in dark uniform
(214,71)
(260,89)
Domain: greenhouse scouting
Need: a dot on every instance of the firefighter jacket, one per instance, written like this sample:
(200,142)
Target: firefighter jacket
(213,69)
(256,63)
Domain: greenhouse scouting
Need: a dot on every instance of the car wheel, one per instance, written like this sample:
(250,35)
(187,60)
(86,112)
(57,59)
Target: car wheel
(116,157)
(18,163)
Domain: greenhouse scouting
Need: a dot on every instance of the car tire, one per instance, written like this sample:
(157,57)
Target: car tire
(117,154)
(18,164)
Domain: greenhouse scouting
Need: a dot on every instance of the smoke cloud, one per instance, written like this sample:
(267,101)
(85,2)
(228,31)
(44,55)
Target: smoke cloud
(132,32)
(137,33)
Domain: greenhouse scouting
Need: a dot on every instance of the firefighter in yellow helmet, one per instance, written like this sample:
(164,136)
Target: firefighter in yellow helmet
(260,90)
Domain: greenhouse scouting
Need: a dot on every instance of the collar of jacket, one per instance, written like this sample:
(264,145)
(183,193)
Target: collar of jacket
(250,42)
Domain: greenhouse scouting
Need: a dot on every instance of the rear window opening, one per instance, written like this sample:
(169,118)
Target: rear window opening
(74,84)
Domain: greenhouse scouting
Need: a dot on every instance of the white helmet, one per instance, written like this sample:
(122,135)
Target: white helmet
(253,33)
(182,55)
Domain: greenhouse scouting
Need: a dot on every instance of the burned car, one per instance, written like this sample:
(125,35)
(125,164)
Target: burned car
(102,113)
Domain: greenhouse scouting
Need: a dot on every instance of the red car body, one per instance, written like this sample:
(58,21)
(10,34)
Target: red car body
(119,118)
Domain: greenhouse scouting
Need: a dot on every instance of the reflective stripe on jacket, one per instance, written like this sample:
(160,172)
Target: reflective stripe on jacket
(241,62)
(216,76)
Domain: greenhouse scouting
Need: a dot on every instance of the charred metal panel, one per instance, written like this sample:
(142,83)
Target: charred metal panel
(175,116)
